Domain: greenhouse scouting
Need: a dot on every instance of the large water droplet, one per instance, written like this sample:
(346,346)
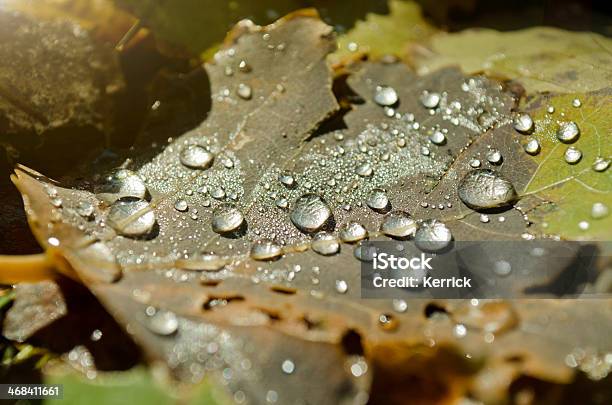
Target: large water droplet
(378,200)
(205,262)
(265,250)
(432,236)
(483,188)
(430,99)
(437,138)
(310,213)
(163,323)
(568,132)
(121,183)
(532,147)
(181,205)
(385,95)
(325,244)
(131,217)
(226,218)
(398,224)
(572,155)
(196,157)
(523,123)
(352,232)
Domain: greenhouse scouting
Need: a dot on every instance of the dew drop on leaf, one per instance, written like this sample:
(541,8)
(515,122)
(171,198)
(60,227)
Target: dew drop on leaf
(377,200)
(196,157)
(572,155)
(523,123)
(432,236)
(325,243)
(385,96)
(599,210)
(226,218)
(484,188)
(131,217)
(601,164)
(438,138)
(85,209)
(121,183)
(494,157)
(310,213)
(265,250)
(164,323)
(341,286)
(398,224)
(430,99)
(181,205)
(532,147)
(568,132)
(352,232)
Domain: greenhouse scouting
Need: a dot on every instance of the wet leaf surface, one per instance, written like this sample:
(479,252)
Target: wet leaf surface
(166,243)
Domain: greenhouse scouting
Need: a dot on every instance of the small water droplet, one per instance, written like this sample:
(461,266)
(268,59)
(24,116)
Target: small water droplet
(494,157)
(325,244)
(599,210)
(85,209)
(341,286)
(398,224)
(400,305)
(282,203)
(265,250)
(244,67)
(364,170)
(286,179)
(131,217)
(226,218)
(460,330)
(502,268)
(385,96)
(352,232)
(475,163)
(288,366)
(550,109)
(484,218)
(432,236)
(310,213)
(430,99)
(438,138)
(164,323)
(584,225)
(568,132)
(244,91)
(53,241)
(573,155)
(196,157)
(205,262)
(483,188)
(492,317)
(601,164)
(576,103)
(387,322)
(532,147)
(364,252)
(217,193)
(378,201)
(523,123)
(181,205)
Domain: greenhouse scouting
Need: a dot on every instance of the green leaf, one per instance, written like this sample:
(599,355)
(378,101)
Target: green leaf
(135,386)
(571,190)
(381,35)
(541,59)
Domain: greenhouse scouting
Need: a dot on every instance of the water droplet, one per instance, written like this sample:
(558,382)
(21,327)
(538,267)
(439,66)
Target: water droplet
(131,217)
(484,218)
(226,218)
(532,147)
(385,96)
(387,322)
(576,103)
(494,157)
(325,244)
(196,157)
(432,236)
(288,366)
(121,183)
(244,67)
(206,262)
(163,323)
(244,91)
(584,225)
(85,209)
(502,268)
(364,170)
(217,193)
(378,201)
(104,266)
(572,155)
(341,286)
(475,163)
(364,252)
(352,232)
(460,330)
(492,317)
(601,164)
(568,132)
(398,224)
(53,241)
(265,250)
(400,305)
(282,203)
(599,210)
(438,138)
(523,123)
(286,179)
(483,188)
(181,205)
(310,213)
(430,99)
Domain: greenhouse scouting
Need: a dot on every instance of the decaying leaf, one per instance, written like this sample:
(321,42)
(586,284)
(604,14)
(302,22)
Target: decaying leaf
(54,81)
(181,248)
(541,59)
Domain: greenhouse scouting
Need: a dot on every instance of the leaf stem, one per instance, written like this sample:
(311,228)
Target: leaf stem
(26,268)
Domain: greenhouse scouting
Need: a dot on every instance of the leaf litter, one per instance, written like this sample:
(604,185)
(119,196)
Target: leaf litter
(235,315)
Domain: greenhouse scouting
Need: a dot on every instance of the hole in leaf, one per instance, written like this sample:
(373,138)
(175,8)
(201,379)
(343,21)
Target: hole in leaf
(432,308)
